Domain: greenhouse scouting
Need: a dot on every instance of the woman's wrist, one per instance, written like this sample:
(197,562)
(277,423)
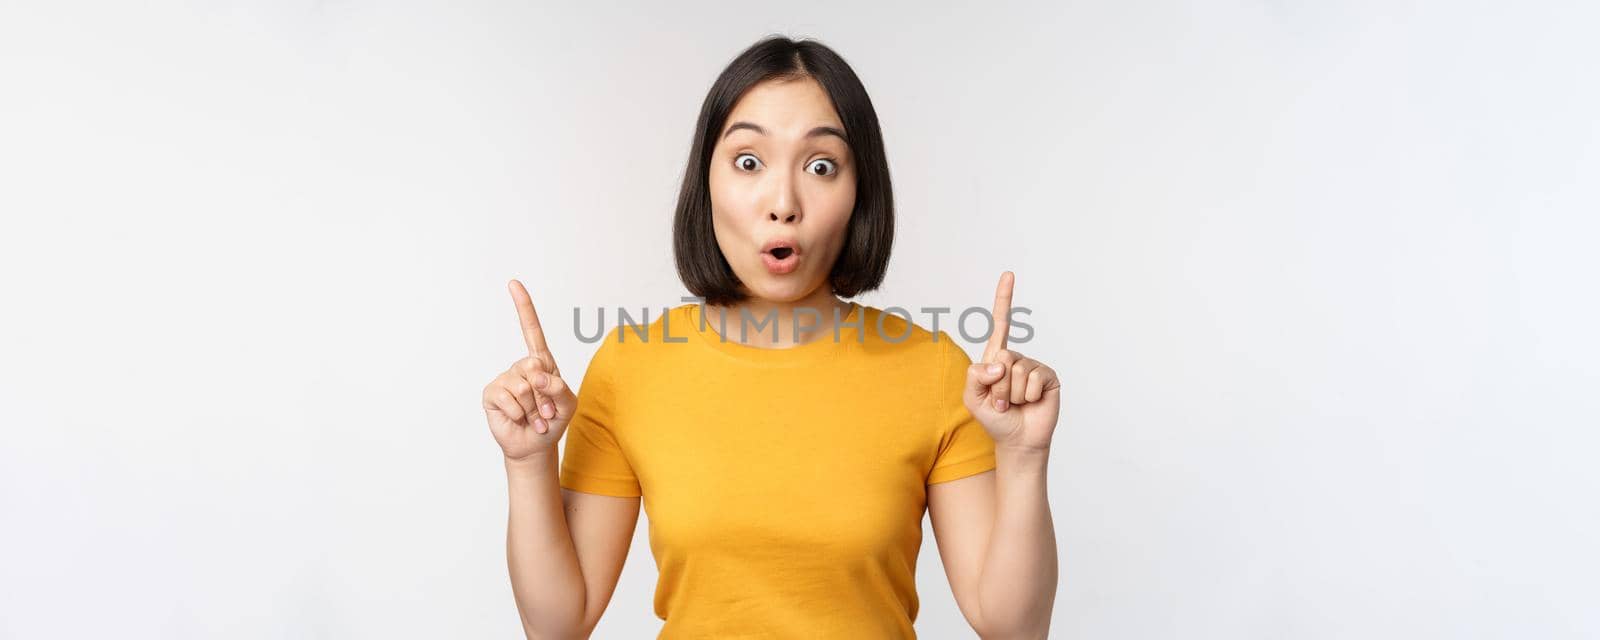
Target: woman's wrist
(532,464)
(1023,459)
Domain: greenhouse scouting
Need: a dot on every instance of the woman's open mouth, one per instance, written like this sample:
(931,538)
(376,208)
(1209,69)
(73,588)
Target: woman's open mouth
(780,256)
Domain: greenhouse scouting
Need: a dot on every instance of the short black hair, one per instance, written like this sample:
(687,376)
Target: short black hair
(869,237)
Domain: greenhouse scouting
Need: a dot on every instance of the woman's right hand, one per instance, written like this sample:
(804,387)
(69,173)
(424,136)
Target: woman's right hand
(528,405)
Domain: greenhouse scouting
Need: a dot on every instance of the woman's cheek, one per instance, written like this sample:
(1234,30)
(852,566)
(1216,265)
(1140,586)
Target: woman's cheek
(738,200)
(840,203)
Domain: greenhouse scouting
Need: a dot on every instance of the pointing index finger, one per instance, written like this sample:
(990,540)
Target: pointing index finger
(1002,316)
(532,333)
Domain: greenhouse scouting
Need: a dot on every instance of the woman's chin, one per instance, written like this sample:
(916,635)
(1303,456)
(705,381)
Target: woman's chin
(786,288)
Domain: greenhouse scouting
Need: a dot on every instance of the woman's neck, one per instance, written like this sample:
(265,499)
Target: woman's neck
(764,318)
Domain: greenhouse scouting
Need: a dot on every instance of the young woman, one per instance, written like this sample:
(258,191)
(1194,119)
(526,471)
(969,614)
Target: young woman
(785,470)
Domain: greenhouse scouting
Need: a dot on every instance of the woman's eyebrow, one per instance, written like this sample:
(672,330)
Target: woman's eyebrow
(815,132)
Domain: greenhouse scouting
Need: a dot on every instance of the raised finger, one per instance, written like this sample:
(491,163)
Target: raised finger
(532,333)
(1002,316)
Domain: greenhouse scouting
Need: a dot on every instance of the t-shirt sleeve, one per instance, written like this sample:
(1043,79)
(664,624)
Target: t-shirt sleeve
(965,448)
(592,460)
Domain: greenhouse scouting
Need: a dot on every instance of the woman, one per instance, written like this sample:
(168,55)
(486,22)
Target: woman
(785,472)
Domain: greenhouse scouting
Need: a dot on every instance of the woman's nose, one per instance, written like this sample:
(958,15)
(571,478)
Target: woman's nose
(786,203)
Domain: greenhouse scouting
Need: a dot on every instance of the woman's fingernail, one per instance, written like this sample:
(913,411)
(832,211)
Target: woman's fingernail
(994,368)
(542,381)
(547,411)
(1000,404)
(540,425)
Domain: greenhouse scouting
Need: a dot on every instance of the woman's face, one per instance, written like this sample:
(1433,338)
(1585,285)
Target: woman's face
(781,173)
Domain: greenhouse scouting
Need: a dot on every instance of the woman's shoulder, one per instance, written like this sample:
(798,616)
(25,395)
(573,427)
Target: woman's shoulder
(629,339)
(628,329)
(895,329)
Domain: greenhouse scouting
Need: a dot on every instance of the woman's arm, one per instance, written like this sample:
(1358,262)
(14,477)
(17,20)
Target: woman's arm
(564,549)
(994,529)
(546,578)
(998,544)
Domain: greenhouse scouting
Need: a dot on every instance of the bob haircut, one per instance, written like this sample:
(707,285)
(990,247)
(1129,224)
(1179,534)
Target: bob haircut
(869,236)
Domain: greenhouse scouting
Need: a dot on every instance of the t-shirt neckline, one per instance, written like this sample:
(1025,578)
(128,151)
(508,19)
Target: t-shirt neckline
(823,347)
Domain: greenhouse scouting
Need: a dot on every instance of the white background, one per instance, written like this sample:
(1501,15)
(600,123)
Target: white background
(1319,278)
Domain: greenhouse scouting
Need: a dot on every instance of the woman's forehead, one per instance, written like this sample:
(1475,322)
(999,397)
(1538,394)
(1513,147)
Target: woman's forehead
(784,109)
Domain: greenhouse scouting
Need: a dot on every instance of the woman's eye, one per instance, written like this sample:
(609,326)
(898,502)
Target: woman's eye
(827,168)
(746,162)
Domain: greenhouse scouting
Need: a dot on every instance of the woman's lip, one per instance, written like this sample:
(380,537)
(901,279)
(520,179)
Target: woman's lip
(780,267)
(773,244)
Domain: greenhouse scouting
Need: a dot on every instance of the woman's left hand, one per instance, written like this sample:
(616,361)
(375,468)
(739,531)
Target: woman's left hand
(1017,398)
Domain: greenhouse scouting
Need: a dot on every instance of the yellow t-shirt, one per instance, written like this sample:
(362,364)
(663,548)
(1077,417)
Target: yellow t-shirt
(784,488)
